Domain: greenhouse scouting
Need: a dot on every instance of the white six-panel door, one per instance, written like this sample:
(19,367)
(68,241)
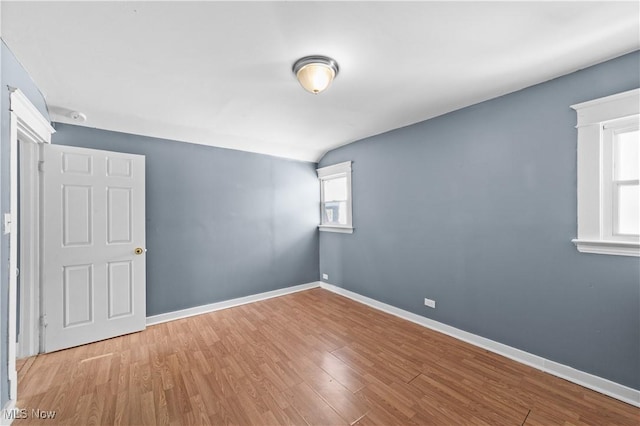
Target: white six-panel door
(93,256)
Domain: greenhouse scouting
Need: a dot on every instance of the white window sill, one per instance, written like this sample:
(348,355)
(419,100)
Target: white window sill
(340,229)
(618,248)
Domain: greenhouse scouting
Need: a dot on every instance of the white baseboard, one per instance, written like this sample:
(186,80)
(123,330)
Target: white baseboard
(184,313)
(5,417)
(598,384)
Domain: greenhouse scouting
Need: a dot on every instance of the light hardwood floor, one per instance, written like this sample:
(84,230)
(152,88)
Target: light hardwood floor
(307,358)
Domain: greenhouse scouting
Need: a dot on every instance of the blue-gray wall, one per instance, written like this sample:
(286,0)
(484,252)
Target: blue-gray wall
(11,74)
(476,209)
(220,223)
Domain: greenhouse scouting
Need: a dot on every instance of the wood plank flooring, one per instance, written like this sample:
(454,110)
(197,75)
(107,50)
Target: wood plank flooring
(307,358)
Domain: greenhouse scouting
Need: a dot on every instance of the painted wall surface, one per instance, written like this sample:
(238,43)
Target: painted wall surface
(476,209)
(11,74)
(221,223)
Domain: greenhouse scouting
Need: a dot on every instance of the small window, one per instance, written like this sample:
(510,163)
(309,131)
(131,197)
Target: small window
(335,198)
(609,175)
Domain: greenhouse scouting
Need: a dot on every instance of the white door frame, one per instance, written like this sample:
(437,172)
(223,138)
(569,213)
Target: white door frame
(29,236)
(28,125)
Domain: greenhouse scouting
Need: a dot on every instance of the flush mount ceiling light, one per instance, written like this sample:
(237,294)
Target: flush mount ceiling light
(315,73)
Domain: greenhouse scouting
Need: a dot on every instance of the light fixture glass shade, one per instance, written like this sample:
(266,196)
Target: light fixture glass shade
(315,73)
(315,78)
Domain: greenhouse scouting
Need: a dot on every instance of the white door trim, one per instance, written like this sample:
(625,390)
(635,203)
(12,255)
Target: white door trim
(26,123)
(29,224)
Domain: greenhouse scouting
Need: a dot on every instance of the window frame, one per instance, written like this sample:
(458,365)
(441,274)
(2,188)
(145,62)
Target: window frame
(336,171)
(597,123)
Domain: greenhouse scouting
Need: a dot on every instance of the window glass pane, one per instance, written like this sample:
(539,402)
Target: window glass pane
(334,213)
(627,155)
(628,209)
(335,189)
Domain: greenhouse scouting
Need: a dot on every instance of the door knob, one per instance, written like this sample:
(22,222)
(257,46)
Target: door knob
(138,250)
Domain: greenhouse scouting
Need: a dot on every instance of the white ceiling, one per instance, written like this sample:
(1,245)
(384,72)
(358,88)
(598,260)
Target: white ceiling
(219,73)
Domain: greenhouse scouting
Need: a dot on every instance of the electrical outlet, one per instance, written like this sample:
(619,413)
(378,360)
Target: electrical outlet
(325,276)
(430,303)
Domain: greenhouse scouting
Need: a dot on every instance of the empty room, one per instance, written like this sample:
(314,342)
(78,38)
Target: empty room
(320,213)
